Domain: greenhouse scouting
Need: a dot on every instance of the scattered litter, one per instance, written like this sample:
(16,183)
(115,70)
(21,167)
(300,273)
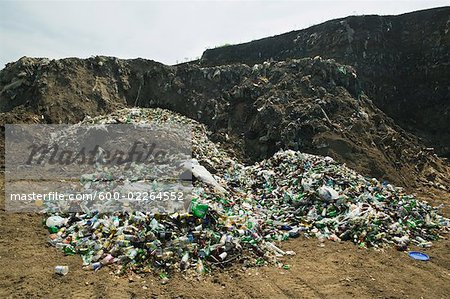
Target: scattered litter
(62,270)
(418,256)
(239,214)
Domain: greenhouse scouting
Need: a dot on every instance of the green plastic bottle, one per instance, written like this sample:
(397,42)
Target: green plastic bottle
(198,209)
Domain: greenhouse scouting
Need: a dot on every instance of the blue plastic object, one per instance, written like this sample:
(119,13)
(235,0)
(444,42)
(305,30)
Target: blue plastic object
(418,256)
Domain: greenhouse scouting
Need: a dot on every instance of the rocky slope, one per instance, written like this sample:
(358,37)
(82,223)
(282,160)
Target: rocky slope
(313,105)
(403,61)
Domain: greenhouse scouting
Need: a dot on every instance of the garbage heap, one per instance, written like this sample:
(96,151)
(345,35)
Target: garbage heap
(240,213)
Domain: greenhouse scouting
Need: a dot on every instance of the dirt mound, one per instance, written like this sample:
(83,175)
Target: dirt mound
(402,61)
(313,105)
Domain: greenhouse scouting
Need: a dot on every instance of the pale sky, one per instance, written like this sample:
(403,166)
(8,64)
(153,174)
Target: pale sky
(169,31)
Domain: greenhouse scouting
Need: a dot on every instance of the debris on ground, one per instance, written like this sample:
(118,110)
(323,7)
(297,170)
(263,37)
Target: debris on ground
(239,213)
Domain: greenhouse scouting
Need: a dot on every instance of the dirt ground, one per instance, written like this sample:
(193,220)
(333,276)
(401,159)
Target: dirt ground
(328,270)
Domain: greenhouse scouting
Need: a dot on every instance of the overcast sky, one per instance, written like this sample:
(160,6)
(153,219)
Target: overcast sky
(168,32)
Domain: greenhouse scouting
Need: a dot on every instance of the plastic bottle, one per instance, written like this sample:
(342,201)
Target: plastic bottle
(200,267)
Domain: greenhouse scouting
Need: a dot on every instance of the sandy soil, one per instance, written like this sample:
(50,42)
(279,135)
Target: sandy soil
(336,270)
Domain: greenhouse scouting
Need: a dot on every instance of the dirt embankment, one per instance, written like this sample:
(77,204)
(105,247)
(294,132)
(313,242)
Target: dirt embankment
(313,105)
(403,62)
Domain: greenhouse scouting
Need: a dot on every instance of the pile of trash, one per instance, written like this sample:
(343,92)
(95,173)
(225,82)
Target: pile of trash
(319,197)
(239,213)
